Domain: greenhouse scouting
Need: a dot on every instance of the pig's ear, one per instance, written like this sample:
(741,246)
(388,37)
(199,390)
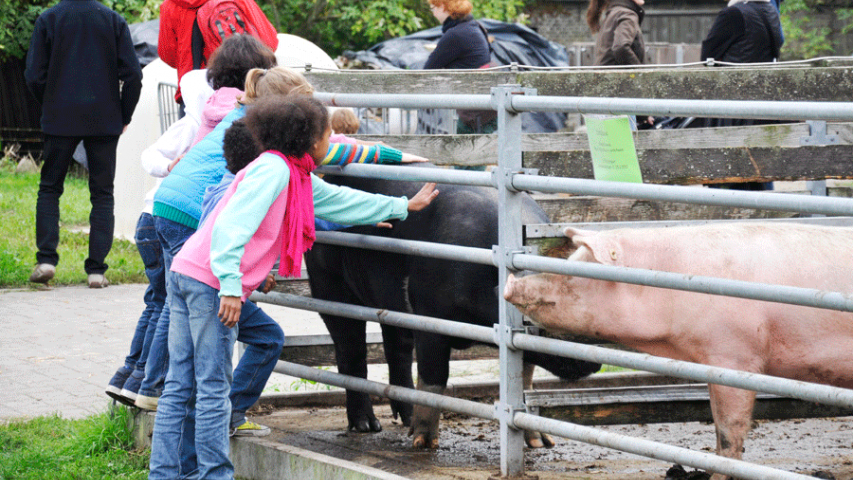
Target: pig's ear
(603,248)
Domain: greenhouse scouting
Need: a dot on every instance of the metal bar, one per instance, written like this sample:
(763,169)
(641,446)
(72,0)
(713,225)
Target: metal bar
(509,240)
(470,102)
(410,174)
(408,247)
(693,195)
(807,297)
(772,110)
(840,111)
(387,317)
(659,451)
(433,400)
(692,371)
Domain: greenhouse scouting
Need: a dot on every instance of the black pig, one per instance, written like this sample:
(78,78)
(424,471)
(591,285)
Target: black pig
(463,292)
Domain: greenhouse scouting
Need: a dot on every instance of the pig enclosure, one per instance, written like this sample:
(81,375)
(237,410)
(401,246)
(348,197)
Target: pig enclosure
(683,157)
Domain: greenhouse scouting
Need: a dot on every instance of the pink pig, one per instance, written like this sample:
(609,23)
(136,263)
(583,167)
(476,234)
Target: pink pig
(802,343)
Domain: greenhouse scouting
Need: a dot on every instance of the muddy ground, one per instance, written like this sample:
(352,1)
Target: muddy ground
(469,447)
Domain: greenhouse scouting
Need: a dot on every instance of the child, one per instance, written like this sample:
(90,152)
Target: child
(344,122)
(266,212)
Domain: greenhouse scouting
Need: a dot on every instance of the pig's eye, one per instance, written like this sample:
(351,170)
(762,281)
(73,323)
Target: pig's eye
(613,254)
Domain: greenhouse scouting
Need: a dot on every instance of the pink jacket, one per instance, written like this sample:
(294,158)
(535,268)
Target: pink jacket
(218,105)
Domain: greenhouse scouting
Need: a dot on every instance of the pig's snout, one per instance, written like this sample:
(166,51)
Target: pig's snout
(510,288)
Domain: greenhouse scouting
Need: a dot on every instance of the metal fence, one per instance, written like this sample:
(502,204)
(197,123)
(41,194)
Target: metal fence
(509,179)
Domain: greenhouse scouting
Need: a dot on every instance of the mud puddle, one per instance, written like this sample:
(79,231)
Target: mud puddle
(470,447)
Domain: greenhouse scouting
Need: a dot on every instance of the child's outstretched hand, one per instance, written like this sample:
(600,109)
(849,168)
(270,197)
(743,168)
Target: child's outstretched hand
(229,310)
(412,158)
(423,198)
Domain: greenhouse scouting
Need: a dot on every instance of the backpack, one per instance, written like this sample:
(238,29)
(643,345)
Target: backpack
(217,20)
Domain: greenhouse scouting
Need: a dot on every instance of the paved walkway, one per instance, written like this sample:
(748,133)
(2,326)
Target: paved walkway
(60,346)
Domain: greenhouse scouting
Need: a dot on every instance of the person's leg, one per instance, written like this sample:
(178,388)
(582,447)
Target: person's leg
(173,424)
(155,296)
(264,339)
(213,343)
(101,154)
(134,360)
(57,158)
(172,236)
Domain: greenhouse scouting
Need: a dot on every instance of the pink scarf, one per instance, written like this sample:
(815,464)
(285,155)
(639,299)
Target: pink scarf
(297,236)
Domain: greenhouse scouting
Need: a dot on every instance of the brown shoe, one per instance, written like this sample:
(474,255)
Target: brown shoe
(98,280)
(43,273)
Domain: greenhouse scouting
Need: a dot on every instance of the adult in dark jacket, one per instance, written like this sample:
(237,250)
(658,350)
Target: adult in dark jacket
(744,32)
(463,45)
(82,68)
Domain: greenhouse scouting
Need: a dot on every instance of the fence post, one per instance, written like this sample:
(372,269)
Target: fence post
(510,242)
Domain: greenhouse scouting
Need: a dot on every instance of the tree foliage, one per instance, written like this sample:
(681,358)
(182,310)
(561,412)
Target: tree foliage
(805,35)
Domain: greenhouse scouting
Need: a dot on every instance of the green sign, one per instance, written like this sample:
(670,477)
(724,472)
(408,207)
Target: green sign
(611,144)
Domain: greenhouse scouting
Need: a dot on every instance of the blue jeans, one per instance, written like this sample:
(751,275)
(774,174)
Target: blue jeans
(172,236)
(264,340)
(155,295)
(194,409)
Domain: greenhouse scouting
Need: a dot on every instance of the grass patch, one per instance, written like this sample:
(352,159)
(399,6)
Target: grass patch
(99,447)
(18,193)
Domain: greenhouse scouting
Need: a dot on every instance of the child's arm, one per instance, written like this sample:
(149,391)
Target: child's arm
(353,207)
(344,153)
(174,142)
(239,220)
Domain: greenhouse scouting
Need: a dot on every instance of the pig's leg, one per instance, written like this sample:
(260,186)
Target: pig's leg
(399,345)
(732,411)
(433,369)
(534,439)
(351,358)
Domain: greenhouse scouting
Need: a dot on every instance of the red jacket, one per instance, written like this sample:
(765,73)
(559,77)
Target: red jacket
(174,44)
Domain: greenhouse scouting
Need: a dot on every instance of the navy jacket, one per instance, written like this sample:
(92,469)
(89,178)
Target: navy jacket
(462,45)
(748,32)
(82,68)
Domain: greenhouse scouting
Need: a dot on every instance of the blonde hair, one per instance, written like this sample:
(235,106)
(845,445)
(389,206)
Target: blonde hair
(274,81)
(344,121)
(455,8)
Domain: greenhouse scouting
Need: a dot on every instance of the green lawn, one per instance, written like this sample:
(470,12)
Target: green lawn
(95,448)
(18,194)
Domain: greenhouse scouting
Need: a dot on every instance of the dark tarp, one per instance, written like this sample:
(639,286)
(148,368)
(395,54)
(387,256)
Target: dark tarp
(144,36)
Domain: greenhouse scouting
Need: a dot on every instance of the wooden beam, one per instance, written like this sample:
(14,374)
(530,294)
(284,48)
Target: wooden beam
(660,404)
(699,82)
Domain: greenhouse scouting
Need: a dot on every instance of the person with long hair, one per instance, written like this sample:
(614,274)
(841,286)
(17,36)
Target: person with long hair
(619,39)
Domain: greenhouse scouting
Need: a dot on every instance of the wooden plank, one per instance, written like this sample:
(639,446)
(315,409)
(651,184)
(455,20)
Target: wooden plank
(660,404)
(661,148)
(712,165)
(700,83)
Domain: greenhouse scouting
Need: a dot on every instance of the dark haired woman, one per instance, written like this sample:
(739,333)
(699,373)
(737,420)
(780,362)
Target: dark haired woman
(620,38)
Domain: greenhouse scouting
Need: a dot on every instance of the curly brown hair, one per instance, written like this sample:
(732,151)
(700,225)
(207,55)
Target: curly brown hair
(238,54)
(290,124)
(239,147)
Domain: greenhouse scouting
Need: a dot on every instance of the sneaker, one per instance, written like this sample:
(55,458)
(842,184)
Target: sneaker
(96,280)
(43,273)
(250,429)
(117,382)
(146,403)
(131,386)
